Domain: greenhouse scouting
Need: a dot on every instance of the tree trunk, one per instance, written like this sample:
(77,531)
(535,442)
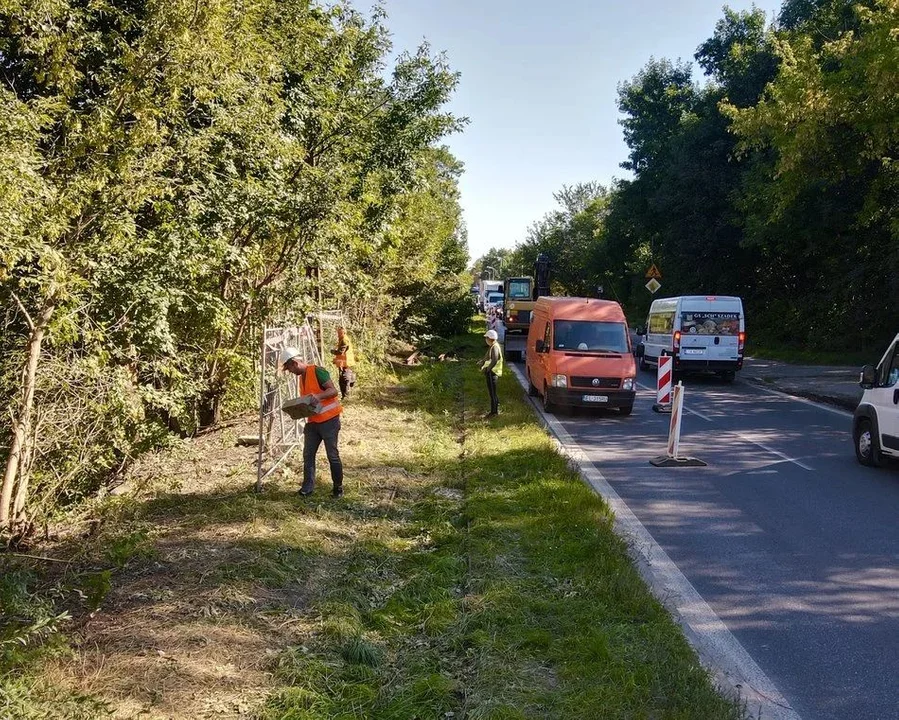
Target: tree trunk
(22,420)
(21,498)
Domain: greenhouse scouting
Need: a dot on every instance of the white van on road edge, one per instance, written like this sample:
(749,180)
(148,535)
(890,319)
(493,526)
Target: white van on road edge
(875,425)
(701,332)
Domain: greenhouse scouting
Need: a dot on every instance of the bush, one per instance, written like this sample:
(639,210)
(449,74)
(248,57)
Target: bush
(438,310)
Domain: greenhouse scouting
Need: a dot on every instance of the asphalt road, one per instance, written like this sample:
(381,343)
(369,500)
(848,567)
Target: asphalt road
(792,543)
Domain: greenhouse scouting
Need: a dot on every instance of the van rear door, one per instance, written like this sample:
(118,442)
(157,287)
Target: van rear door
(710,330)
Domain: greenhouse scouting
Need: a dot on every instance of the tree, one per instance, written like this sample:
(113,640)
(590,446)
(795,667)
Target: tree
(494,264)
(654,103)
(739,57)
(170,170)
(568,236)
(825,212)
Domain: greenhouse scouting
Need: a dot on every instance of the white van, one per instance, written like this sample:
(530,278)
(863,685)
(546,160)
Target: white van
(701,332)
(875,427)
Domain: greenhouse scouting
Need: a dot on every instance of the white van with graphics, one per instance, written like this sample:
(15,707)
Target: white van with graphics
(703,333)
(875,427)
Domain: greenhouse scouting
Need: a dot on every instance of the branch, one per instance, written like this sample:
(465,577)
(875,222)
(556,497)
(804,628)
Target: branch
(334,136)
(24,312)
(38,557)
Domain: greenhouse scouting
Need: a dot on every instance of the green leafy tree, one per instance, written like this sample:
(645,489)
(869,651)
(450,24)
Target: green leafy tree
(494,264)
(170,170)
(824,211)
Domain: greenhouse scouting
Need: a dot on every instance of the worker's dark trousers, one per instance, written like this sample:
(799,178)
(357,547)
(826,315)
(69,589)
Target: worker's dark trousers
(491,388)
(313,436)
(346,379)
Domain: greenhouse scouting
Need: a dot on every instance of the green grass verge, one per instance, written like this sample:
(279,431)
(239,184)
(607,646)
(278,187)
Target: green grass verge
(468,573)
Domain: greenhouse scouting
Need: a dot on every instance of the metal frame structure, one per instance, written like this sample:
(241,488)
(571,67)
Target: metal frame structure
(279,434)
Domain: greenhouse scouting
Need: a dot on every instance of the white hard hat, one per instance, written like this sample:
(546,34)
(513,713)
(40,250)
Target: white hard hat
(288,354)
(491,335)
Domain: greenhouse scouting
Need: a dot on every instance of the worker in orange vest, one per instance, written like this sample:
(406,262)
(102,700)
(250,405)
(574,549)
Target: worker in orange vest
(324,426)
(344,359)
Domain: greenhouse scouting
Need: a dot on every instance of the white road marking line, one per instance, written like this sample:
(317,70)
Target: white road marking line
(698,414)
(788,396)
(686,409)
(755,442)
(734,668)
(771,450)
(805,401)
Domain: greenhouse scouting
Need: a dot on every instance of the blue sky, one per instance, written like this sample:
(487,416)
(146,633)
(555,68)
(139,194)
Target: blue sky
(539,86)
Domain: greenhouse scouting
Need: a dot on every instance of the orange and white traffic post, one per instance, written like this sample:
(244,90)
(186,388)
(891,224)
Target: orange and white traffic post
(663,384)
(677,411)
(673,458)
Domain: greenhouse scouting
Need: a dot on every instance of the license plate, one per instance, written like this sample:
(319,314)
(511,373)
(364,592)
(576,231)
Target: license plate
(694,351)
(596,398)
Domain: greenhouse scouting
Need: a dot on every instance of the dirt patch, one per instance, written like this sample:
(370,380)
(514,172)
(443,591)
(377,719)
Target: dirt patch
(209,582)
(190,627)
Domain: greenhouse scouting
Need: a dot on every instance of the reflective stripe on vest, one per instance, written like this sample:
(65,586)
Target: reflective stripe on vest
(332,407)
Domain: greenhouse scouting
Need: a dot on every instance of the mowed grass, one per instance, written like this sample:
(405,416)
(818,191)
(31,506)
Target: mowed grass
(467,573)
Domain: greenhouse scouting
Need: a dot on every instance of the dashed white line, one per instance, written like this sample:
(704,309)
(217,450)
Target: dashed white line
(748,439)
(771,450)
(686,409)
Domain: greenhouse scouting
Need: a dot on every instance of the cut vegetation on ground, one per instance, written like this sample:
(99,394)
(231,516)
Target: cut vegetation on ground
(467,573)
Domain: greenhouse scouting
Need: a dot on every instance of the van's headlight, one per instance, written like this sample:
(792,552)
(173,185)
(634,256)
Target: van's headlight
(560,381)
(628,384)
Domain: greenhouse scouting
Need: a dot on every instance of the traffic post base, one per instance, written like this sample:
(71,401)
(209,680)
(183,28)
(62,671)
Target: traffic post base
(664,461)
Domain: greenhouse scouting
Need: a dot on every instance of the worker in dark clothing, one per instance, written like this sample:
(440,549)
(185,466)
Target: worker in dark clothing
(345,360)
(492,367)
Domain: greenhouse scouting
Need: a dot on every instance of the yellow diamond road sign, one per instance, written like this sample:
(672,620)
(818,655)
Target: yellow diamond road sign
(654,273)
(653,286)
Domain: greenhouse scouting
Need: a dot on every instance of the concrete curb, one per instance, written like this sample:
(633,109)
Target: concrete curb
(734,670)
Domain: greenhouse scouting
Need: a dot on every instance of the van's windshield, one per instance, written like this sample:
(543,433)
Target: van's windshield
(589,336)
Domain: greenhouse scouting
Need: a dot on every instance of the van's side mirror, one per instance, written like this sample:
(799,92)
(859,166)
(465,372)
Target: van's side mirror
(868,377)
(540,346)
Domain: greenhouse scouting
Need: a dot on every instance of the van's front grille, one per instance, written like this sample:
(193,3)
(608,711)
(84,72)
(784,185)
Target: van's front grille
(595,382)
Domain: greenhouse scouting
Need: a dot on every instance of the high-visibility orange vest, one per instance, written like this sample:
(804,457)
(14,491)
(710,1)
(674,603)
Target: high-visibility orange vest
(310,386)
(345,359)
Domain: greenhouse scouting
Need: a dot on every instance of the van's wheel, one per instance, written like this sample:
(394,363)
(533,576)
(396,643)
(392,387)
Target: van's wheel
(867,447)
(532,389)
(728,376)
(547,405)
(626,409)
(643,364)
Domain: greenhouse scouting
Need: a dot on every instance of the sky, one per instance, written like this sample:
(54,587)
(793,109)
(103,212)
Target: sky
(538,85)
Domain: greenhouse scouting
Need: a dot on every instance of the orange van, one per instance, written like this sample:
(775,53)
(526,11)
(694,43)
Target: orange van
(579,354)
